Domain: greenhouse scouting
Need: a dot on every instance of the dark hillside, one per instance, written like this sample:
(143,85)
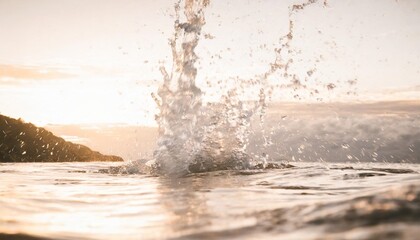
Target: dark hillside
(24,142)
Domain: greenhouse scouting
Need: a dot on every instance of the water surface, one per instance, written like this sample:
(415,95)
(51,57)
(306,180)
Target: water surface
(308,201)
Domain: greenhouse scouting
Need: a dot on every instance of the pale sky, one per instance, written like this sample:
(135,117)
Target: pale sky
(97,61)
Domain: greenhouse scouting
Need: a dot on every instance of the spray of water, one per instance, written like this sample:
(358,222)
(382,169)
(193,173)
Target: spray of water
(195,136)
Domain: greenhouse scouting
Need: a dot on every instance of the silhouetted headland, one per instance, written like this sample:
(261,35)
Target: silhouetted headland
(25,142)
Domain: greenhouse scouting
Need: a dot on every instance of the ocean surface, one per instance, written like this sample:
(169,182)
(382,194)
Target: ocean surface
(303,201)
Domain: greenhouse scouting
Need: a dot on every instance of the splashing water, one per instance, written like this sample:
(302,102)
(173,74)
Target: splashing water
(196,136)
(179,97)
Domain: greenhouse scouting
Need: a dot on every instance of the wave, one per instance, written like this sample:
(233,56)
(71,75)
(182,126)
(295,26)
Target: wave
(388,214)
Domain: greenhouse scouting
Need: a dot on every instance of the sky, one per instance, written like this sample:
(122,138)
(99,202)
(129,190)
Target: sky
(97,61)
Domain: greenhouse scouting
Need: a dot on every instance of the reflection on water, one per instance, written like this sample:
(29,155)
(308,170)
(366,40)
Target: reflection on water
(197,202)
(308,201)
(184,203)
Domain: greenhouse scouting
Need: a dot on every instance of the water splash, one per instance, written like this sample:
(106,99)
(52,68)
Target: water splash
(285,59)
(196,136)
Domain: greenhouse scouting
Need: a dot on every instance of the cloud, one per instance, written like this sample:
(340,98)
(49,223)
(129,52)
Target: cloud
(15,74)
(383,131)
(411,92)
(376,108)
